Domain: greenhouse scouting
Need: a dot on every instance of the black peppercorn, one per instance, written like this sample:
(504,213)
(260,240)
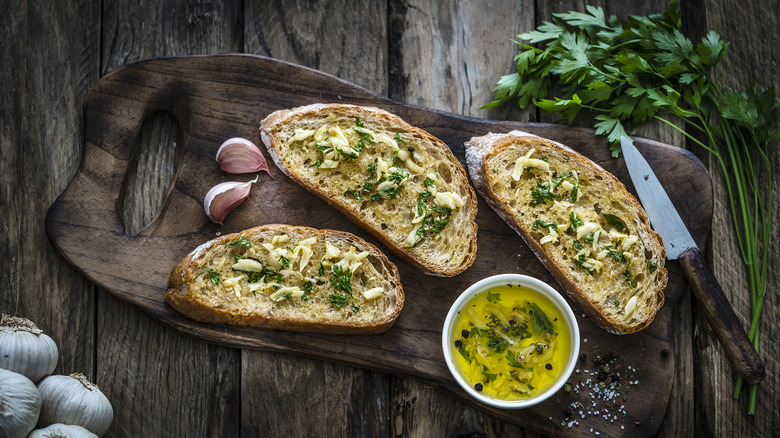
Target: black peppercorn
(465,334)
(583,357)
(410,148)
(548,367)
(458,344)
(478,387)
(665,352)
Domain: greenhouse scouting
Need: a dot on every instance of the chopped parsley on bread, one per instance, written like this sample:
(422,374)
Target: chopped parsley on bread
(397,182)
(289,278)
(580,221)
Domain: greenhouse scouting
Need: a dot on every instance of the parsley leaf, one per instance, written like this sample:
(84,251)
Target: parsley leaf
(213,276)
(542,224)
(615,221)
(341,279)
(575,220)
(541,194)
(651,266)
(338,299)
(539,319)
(240,242)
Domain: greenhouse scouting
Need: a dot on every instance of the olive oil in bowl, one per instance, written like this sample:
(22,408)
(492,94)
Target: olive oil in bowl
(511,342)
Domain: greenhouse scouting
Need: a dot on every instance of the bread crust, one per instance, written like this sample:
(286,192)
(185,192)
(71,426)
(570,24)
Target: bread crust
(183,296)
(440,264)
(480,150)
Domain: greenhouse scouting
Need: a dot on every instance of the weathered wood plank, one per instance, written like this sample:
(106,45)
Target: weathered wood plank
(446,57)
(680,413)
(50,58)
(751,30)
(159,369)
(346,39)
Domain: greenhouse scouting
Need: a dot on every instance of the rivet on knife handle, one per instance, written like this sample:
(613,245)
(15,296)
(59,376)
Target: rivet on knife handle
(721,316)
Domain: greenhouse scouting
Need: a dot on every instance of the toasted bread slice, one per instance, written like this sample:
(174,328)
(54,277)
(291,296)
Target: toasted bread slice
(580,221)
(289,278)
(397,182)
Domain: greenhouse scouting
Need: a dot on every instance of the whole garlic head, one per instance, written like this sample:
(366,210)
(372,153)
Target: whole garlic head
(74,400)
(60,430)
(26,349)
(20,404)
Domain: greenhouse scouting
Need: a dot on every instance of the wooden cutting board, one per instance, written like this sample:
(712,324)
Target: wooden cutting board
(218,97)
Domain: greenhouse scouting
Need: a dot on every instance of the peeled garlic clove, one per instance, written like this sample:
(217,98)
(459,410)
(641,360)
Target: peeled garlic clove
(74,400)
(25,349)
(224,197)
(239,155)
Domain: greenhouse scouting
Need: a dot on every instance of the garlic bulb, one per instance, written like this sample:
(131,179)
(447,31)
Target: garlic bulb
(59,430)
(239,155)
(74,400)
(224,197)
(20,404)
(26,349)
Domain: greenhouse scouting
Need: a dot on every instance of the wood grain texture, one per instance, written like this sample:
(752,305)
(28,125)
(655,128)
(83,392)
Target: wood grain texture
(53,51)
(52,63)
(158,368)
(751,30)
(444,57)
(114,111)
(349,40)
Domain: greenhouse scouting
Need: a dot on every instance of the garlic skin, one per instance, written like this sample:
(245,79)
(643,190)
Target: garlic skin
(20,404)
(60,430)
(25,349)
(224,197)
(239,155)
(74,400)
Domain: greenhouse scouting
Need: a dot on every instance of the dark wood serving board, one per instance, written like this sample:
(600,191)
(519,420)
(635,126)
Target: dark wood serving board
(218,97)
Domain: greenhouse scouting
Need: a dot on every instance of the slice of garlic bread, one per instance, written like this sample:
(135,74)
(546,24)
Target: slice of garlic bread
(397,182)
(289,278)
(580,221)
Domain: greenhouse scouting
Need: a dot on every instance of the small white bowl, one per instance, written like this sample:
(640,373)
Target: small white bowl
(537,285)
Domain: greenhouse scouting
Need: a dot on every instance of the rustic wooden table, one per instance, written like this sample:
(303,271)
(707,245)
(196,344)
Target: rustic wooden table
(442,55)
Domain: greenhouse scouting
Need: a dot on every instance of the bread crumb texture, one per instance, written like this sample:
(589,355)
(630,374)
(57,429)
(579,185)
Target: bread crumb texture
(400,182)
(295,278)
(581,221)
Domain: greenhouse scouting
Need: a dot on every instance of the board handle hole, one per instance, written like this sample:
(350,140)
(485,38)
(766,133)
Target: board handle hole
(150,172)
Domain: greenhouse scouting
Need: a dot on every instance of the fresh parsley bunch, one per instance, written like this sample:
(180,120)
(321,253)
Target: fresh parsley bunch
(644,68)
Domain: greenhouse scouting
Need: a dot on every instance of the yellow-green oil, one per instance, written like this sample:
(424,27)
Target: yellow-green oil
(505,351)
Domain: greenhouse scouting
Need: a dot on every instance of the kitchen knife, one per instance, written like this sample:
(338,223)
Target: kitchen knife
(680,246)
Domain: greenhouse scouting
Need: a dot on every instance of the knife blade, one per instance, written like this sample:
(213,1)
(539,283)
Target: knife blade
(679,245)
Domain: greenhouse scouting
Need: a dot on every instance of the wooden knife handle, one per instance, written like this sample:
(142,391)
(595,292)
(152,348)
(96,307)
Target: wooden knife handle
(721,316)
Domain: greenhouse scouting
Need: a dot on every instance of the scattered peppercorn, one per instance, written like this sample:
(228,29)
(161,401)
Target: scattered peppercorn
(465,334)
(410,148)
(665,352)
(548,367)
(478,387)
(459,344)
(583,357)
